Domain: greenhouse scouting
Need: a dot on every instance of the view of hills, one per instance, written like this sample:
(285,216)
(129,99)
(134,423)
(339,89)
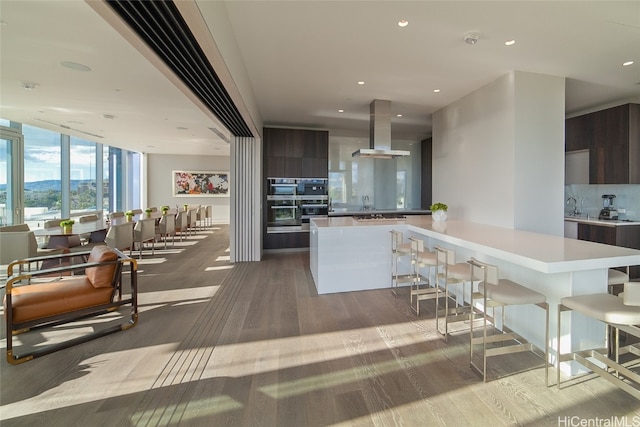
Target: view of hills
(49,184)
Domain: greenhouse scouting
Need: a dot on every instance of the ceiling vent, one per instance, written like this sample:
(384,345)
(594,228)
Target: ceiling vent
(380,133)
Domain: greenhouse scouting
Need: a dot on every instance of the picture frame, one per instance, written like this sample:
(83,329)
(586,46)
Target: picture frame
(200,183)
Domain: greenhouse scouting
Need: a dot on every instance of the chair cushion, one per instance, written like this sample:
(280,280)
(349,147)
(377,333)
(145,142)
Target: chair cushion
(616,277)
(101,276)
(47,299)
(631,294)
(604,307)
(429,258)
(511,293)
(459,271)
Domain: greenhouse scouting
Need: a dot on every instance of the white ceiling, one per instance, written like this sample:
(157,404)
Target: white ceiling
(303,60)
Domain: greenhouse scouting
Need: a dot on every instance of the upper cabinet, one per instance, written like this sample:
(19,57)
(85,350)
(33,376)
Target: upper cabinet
(295,153)
(612,137)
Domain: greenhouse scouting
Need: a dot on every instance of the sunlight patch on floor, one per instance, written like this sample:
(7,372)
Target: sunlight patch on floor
(201,408)
(171,296)
(221,267)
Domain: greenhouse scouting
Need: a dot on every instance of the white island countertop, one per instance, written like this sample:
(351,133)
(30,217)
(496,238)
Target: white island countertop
(346,254)
(536,251)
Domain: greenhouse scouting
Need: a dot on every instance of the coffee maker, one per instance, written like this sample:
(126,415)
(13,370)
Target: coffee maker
(608,211)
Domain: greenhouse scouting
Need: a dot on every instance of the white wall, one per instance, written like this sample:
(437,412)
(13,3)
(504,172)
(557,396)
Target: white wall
(160,185)
(498,154)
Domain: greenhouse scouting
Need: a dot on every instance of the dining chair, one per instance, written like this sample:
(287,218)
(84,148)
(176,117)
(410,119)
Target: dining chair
(52,223)
(118,214)
(200,217)
(181,223)
(166,227)
(88,218)
(16,245)
(145,231)
(192,220)
(120,236)
(209,215)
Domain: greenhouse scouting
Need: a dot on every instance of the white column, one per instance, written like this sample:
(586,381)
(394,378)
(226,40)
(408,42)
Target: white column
(246,200)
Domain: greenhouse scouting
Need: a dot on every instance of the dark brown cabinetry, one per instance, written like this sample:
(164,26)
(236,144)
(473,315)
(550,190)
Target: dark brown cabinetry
(612,137)
(627,236)
(295,153)
(292,153)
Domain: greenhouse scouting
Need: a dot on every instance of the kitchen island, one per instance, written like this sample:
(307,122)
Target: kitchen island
(351,255)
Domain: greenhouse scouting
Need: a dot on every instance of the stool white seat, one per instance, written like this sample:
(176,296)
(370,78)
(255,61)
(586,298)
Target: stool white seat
(621,313)
(448,274)
(495,292)
(420,286)
(616,277)
(399,249)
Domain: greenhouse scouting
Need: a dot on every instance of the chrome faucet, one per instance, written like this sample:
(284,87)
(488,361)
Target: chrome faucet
(365,201)
(575,212)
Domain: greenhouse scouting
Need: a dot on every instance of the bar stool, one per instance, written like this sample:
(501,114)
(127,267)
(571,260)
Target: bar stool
(495,292)
(616,278)
(449,273)
(621,313)
(420,285)
(399,249)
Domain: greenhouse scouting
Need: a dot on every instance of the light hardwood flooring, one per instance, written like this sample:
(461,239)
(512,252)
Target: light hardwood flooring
(252,344)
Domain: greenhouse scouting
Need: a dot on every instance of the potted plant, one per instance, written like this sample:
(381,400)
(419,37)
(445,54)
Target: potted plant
(164,209)
(67,226)
(148,212)
(129,215)
(439,211)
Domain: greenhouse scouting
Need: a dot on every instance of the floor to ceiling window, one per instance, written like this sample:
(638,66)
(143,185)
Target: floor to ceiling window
(42,176)
(83,175)
(47,175)
(10,175)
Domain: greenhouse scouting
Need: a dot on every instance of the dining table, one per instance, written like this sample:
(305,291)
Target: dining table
(59,238)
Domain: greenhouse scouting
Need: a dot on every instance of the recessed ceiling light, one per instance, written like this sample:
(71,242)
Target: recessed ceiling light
(108,116)
(471,38)
(340,111)
(29,85)
(75,66)
(398,115)
(361,82)
(510,42)
(436,90)
(182,128)
(403,23)
(627,63)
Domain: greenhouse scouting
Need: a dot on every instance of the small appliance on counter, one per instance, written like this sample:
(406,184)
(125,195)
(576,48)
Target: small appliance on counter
(608,211)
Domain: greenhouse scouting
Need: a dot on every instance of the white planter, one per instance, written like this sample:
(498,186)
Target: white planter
(439,215)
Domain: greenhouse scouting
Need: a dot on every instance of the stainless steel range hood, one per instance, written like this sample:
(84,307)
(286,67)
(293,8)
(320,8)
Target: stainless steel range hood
(380,133)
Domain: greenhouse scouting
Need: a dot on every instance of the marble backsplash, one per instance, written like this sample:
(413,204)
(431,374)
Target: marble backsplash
(589,197)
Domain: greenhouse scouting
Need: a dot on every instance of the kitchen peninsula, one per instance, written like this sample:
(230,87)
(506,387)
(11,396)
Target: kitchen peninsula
(351,255)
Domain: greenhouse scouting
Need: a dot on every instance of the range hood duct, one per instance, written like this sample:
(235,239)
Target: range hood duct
(380,133)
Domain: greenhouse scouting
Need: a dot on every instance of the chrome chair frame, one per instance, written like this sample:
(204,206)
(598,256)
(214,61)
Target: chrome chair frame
(446,271)
(488,275)
(398,249)
(608,309)
(422,259)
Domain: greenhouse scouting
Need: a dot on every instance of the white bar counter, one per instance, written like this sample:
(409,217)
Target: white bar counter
(350,255)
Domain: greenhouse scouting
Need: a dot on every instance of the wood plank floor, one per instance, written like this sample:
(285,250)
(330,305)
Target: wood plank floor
(252,344)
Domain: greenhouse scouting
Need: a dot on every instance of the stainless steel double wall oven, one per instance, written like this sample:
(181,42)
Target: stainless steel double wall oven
(291,202)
